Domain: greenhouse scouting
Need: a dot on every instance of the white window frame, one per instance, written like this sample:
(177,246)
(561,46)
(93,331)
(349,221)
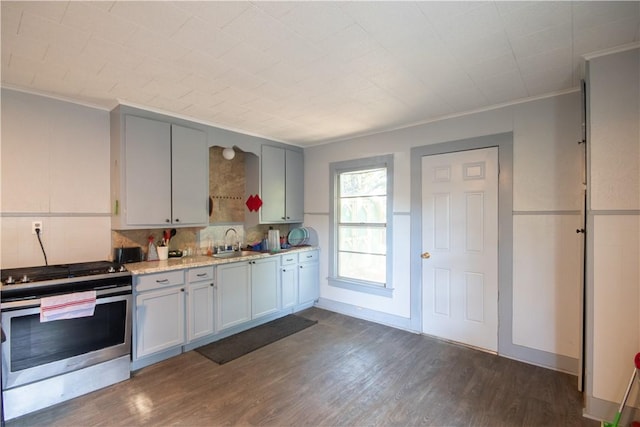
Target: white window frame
(336,168)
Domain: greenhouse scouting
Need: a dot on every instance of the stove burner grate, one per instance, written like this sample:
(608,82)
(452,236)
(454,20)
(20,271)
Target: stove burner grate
(54,272)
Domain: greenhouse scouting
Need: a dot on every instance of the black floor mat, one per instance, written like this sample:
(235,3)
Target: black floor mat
(230,348)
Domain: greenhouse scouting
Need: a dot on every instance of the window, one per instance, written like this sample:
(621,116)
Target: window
(360,239)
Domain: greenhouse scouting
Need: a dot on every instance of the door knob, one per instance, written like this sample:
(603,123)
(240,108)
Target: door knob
(425,255)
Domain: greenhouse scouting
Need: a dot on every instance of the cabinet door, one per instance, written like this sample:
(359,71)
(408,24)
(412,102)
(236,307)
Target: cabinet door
(308,282)
(265,282)
(159,320)
(233,298)
(199,310)
(289,279)
(147,171)
(190,176)
(272,184)
(294,186)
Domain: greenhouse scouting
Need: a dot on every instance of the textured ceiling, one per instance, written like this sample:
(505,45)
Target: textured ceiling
(306,72)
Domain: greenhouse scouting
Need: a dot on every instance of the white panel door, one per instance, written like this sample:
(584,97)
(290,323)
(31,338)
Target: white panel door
(460,247)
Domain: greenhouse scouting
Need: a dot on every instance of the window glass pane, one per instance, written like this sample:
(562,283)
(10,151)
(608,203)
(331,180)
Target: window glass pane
(362,239)
(360,224)
(364,209)
(371,182)
(371,268)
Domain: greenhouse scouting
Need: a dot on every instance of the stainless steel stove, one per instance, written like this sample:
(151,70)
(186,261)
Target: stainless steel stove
(46,362)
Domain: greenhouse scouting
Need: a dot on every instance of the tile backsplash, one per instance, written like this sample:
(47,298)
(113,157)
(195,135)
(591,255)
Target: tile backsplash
(196,238)
(226,186)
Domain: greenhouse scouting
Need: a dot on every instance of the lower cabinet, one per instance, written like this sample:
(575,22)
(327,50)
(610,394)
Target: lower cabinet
(200,303)
(159,320)
(233,305)
(289,280)
(247,290)
(170,313)
(265,286)
(300,276)
(183,309)
(308,278)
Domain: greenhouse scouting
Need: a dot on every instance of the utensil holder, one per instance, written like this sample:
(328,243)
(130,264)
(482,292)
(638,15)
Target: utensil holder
(163,252)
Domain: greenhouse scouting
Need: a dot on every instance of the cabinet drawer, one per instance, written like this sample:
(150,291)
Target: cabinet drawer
(288,259)
(160,280)
(199,274)
(311,256)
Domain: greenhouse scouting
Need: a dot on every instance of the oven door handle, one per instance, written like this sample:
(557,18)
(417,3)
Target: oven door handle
(103,292)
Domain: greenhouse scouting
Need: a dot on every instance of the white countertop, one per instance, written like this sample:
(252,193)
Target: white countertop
(147,267)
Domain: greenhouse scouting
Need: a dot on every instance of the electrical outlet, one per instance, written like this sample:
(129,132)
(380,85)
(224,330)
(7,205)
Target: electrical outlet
(34,225)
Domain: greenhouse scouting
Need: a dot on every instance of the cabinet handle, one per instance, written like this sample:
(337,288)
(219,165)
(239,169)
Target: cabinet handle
(177,219)
(309,256)
(211,284)
(289,259)
(162,281)
(201,274)
(167,220)
(182,290)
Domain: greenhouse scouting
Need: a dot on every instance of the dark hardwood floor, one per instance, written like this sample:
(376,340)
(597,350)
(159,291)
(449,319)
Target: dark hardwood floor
(339,372)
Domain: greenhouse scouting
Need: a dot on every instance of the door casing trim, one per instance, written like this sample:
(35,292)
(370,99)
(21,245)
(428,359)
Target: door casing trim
(506,347)
(504,142)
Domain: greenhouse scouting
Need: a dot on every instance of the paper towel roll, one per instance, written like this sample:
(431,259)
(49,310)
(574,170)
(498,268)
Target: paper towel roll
(274,240)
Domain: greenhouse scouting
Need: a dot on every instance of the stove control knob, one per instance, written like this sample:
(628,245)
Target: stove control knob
(122,269)
(10,280)
(24,279)
(111,270)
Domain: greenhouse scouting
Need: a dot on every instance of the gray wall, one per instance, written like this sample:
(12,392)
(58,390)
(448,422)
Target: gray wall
(547,200)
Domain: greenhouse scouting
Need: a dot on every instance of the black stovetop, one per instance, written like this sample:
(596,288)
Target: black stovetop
(61,271)
(32,282)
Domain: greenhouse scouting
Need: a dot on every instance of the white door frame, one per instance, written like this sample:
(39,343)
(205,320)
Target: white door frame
(506,347)
(504,142)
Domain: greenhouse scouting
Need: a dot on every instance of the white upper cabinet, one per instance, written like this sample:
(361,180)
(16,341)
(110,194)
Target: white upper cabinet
(282,185)
(294,185)
(190,176)
(54,158)
(147,160)
(160,173)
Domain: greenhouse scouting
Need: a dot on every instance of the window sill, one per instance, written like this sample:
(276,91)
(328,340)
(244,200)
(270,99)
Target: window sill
(358,286)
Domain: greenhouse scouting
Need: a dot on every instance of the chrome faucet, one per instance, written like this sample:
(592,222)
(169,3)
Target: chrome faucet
(232,243)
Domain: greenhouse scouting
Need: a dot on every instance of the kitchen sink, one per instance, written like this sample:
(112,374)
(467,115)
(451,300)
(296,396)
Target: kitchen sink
(235,254)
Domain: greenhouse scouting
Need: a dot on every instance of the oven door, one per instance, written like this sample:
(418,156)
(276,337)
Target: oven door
(34,351)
